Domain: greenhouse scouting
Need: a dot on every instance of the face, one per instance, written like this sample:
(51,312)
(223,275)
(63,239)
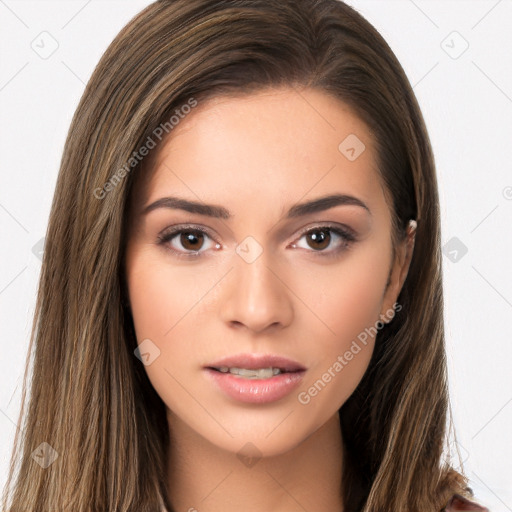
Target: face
(254,274)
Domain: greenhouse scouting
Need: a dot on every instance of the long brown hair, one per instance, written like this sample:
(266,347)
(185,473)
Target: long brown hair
(89,396)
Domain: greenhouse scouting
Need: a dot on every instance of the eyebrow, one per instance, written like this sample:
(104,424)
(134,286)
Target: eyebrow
(210,210)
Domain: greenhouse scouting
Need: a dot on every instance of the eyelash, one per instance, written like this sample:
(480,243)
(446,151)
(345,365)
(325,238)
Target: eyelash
(347,239)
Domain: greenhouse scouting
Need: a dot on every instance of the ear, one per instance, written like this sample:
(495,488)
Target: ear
(398,272)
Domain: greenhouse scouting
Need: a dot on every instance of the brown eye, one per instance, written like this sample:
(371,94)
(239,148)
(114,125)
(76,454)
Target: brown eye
(186,241)
(319,238)
(192,240)
(326,240)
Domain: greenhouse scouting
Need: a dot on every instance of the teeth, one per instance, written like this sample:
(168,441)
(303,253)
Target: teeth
(261,373)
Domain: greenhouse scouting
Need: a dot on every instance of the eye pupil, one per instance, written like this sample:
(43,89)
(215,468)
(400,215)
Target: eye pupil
(325,236)
(188,237)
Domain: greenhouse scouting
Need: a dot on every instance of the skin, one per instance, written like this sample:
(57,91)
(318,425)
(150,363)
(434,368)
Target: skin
(257,156)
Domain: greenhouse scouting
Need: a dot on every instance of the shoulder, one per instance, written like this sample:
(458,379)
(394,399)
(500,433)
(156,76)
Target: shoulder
(459,503)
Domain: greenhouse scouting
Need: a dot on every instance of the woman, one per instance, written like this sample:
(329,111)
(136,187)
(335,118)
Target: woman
(241,299)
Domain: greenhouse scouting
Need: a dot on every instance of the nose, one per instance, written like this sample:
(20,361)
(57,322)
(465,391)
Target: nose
(256,296)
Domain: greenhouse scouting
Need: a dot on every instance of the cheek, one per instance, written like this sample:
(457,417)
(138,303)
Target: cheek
(168,303)
(348,302)
(161,294)
(153,301)
(353,303)
(347,297)
(157,300)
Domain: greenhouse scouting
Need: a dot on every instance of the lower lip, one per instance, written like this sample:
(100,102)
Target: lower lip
(256,391)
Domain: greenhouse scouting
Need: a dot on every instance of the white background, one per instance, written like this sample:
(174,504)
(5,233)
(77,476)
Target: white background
(466,98)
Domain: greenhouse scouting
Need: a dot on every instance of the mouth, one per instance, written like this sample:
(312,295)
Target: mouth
(248,373)
(256,379)
(256,366)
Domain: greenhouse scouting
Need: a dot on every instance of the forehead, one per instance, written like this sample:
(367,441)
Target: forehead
(273,146)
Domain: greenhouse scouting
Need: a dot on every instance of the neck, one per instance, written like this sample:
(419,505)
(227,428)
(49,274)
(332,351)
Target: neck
(206,478)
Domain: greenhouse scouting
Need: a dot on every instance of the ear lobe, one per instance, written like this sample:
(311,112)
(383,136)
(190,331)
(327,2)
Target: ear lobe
(399,270)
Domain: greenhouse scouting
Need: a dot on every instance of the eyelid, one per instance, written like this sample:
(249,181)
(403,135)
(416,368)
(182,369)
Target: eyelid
(347,230)
(348,235)
(170,232)
(176,228)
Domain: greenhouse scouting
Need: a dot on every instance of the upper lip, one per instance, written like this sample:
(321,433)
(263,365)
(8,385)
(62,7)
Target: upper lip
(255,361)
